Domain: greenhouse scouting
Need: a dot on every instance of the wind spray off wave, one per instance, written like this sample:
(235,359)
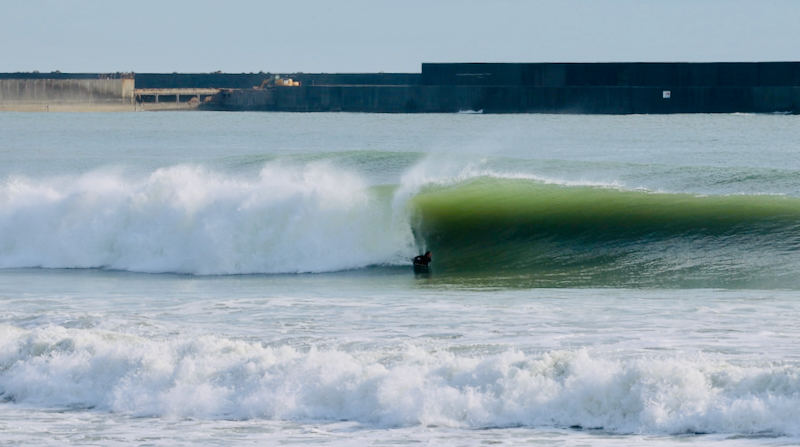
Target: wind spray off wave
(186,219)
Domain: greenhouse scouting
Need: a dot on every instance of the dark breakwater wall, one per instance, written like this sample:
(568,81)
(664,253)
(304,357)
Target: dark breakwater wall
(502,99)
(663,74)
(595,88)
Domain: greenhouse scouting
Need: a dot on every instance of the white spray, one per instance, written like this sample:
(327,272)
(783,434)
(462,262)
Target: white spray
(184,219)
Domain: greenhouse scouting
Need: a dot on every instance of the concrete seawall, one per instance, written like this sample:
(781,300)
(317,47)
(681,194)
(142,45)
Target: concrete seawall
(67,95)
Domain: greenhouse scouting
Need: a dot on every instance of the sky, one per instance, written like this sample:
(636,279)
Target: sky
(350,36)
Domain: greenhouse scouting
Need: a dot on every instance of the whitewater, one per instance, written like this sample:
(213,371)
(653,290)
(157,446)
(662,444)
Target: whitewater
(185,219)
(216,278)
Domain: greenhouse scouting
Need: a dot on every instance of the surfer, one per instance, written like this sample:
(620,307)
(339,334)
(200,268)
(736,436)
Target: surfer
(422,261)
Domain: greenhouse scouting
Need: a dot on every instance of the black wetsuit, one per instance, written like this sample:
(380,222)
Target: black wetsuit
(421,261)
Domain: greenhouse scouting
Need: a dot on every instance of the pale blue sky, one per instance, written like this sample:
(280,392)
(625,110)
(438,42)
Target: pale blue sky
(394,36)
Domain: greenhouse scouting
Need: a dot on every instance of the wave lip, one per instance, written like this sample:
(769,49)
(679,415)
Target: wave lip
(216,378)
(558,207)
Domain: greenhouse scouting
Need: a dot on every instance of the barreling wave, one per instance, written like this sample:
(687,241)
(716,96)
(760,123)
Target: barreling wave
(605,234)
(318,217)
(213,377)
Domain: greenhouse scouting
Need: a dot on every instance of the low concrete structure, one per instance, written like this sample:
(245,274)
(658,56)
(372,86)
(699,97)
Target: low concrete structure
(67,95)
(174,98)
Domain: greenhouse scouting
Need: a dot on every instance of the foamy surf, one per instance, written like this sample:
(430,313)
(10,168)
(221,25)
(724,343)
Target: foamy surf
(187,219)
(213,378)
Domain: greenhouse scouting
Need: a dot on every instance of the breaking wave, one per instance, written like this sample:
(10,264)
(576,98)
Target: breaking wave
(217,378)
(185,219)
(607,235)
(321,218)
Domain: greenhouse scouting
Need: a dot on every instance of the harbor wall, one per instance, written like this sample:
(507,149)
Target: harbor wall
(657,74)
(592,88)
(67,94)
(505,99)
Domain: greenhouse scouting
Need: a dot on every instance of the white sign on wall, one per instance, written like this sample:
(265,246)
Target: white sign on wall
(666,94)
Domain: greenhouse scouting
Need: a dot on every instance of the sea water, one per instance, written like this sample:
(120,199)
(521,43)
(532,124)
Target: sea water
(245,278)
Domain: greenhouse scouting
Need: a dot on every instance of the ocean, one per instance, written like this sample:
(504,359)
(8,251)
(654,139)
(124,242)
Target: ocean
(245,279)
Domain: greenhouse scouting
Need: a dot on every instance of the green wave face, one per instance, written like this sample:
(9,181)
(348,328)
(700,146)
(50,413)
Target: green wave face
(602,236)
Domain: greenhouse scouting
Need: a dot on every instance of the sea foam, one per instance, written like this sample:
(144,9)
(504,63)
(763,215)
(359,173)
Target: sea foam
(213,378)
(187,219)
